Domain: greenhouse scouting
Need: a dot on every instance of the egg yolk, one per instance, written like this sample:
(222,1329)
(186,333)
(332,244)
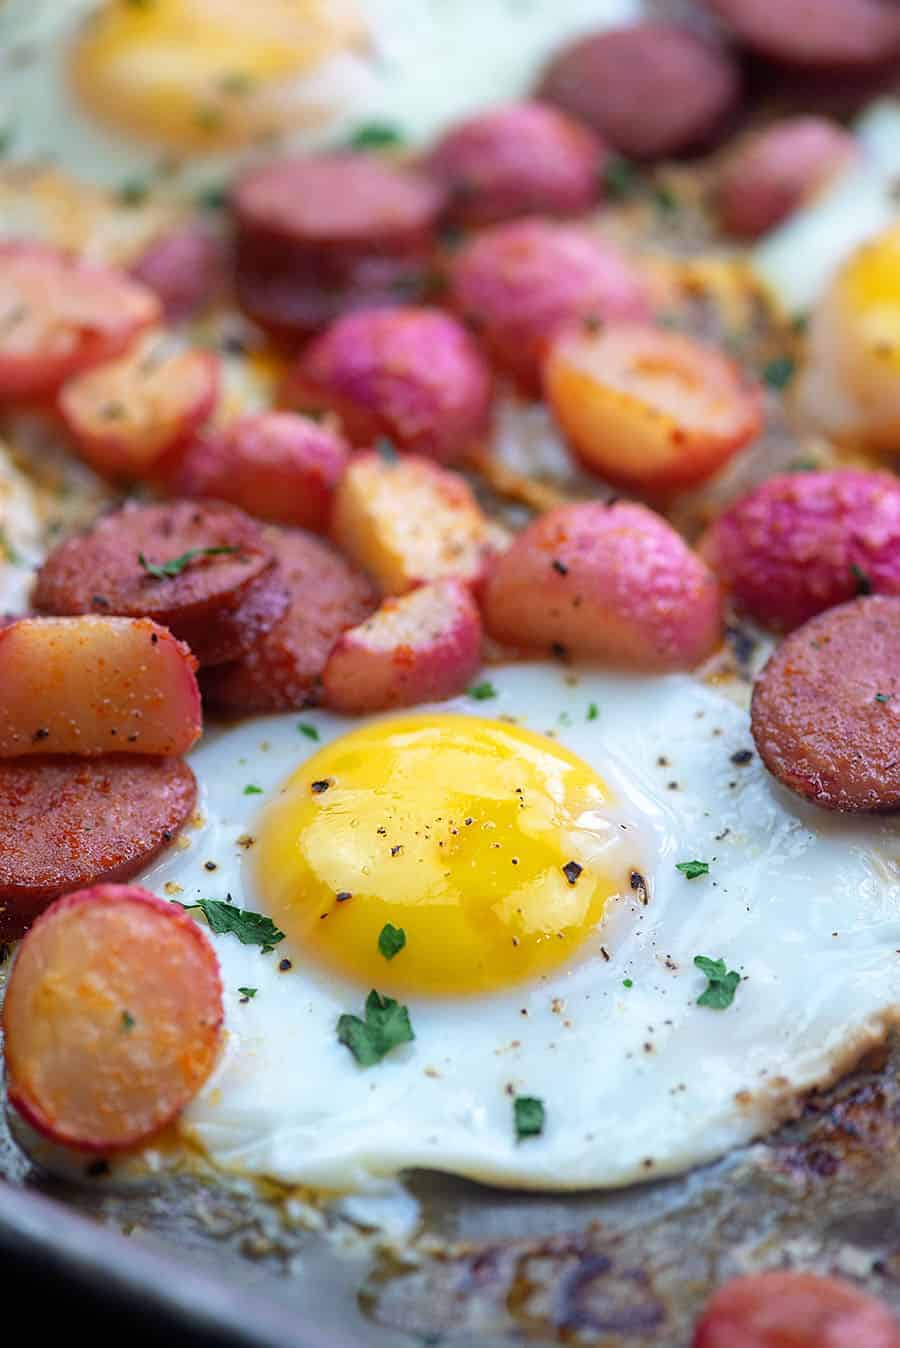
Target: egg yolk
(490,847)
(206,74)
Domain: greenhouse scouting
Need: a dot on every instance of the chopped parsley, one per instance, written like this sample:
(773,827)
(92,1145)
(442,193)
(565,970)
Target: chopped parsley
(664,199)
(592,712)
(386,449)
(391,940)
(779,372)
(720,989)
(691,870)
(375,136)
(386,1025)
(528,1116)
(247,993)
(128,1021)
(308,730)
(213,197)
(882,697)
(620,178)
(862,578)
(175,565)
(249,928)
(11,553)
(481,692)
(251,790)
(627,983)
(133,192)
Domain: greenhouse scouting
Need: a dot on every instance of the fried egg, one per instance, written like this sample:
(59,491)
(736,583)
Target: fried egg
(527,846)
(175,94)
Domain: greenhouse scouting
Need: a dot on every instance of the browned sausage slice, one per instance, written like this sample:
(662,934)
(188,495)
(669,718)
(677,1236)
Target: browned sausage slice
(328,595)
(112,1018)
(650,90)
(826,708)
(70,822)
(319,236)
(791,1309)
(837,34)
(201,568)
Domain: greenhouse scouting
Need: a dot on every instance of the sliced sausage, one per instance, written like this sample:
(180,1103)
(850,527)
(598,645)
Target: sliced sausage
(826,709)
(112,1018)
(774,171)
(70,822)
(411,374)
(794,1310)
(519,159)
(650,90)
(59,316)
(224,593)
(838,34)
(316,237)
(327,595)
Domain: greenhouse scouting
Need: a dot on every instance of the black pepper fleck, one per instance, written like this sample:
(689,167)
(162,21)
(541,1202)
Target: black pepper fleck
(571,871)
(343,895)
(560,567)
(284,965)
(39,735)
(320,786)
(741,757)
(209,866)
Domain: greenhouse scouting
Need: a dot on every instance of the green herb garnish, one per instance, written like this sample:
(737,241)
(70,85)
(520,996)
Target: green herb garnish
(528,1115)
(863,580)
(128,1021)
(664,199)
(481,692)
(251,790)
(175,565)
(779,372)
(691,870)
(133,192)
(386,1025)
(882,697)
(249,928)
(374,136)
(721,987)
(247,993)
(386,449)
(391,941)
(627,983)
(592,712)
(620,178)
(308,730)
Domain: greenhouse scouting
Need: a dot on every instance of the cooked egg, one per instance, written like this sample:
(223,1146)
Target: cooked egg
(521,974)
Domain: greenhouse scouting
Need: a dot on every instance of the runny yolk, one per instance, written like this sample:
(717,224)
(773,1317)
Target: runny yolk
(493,848)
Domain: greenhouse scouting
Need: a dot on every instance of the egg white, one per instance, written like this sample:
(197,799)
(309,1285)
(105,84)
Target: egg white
(636,1081)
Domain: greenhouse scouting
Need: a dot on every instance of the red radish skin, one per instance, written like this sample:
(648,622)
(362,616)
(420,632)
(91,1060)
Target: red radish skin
(277,466)
(112,1018)
(422,647)
(412,375)
(800,543)
(773,172)
(615,582)
(90,686)
(518,284)
(185,269)
(128,415)
(794,1310)
(518,159)
(60,316)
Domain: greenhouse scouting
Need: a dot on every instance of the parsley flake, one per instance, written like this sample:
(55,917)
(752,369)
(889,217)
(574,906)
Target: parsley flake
(592,712)
(251,790)
(664,199)
(249,928)
(308,730)
(386,1025)
(481,692)
(882,697)
(175,565)
(386,449)
(779,372)
(862,578)
(720,989)
(133,192)
(375,136)
(620,178)
(128,1021)
(528,1115)
(691,870)
(391,941)
(247,993)
(627,983)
